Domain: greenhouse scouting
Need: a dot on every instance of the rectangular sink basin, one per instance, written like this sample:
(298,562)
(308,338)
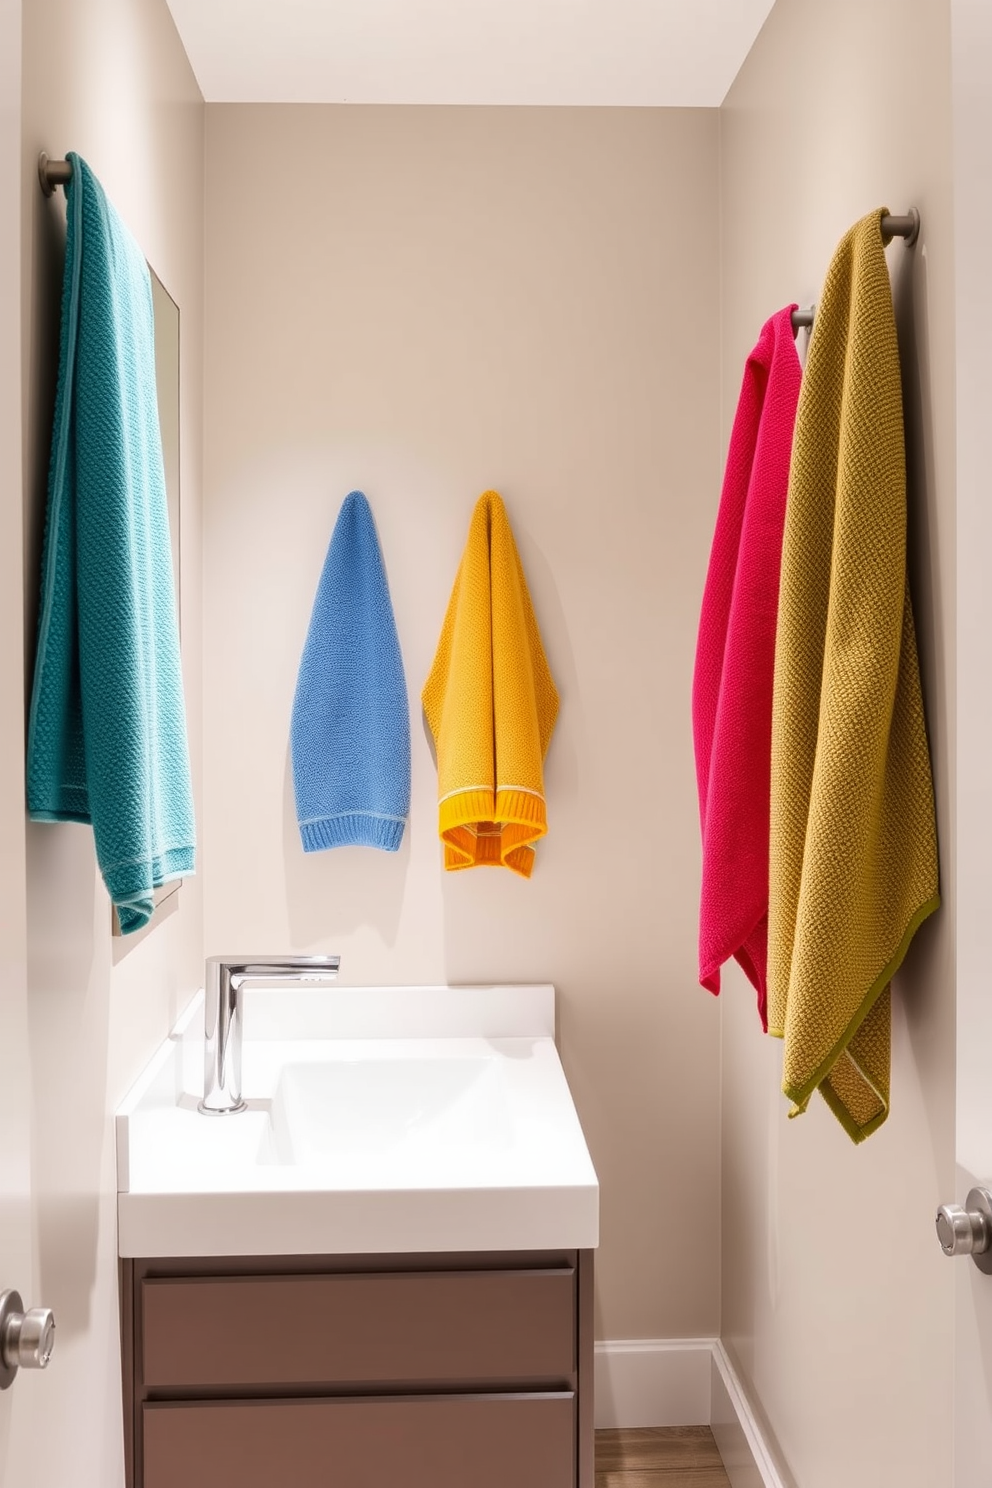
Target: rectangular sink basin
(409,1102)
(379,1119)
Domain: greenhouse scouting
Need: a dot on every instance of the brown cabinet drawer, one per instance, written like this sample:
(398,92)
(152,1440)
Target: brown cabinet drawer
(527,1441)
(434,1328)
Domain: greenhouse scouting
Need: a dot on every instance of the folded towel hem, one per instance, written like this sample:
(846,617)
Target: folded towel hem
(800,1094)
(140,897)
(353,829)
(83,818)
(135,910)
(480,828)
(509,805)
(174,853)
(134,914)
(66,803)
(485,851)
(178,862)
(160,882)
(856,1133)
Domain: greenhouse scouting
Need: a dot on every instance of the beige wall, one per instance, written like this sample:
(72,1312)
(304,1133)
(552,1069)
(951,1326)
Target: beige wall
(15,1229)
(108,78)
(423,303)
(836,1300)
(972,59)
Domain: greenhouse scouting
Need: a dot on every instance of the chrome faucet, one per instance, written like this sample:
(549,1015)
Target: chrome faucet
(223,1017)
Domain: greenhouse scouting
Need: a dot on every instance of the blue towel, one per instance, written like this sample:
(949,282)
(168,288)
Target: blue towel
(107,728)
(350,733)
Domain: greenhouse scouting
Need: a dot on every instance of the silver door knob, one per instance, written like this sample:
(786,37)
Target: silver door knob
(26,1338)
(968,1231)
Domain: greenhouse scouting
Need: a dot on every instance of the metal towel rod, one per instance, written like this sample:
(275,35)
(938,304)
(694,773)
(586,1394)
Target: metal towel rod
(52,173)
(907,227)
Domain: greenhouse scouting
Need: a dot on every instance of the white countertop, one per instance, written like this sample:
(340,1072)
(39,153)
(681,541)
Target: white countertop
(380,1120)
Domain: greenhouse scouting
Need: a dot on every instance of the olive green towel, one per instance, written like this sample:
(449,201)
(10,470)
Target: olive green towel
(853,836)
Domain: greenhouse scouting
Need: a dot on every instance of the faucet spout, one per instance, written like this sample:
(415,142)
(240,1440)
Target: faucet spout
(223,1016)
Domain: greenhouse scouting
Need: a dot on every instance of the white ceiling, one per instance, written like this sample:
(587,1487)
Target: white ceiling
(627,52)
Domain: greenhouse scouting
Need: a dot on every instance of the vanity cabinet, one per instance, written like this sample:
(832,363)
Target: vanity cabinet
(418,1371)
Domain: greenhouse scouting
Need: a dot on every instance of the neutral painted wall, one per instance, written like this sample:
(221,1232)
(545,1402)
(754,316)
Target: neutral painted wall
(424,303)
(837,1303)
(15,1229)
(972,64)
(108,78)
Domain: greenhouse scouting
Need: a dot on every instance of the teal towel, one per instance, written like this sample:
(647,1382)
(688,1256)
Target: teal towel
(107,728)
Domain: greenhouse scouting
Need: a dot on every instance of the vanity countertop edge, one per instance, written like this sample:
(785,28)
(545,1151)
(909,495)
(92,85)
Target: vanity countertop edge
(540,1194)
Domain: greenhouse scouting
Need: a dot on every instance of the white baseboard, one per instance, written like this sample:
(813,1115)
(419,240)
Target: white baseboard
(737,1430)
(685,1382)
(653,1382)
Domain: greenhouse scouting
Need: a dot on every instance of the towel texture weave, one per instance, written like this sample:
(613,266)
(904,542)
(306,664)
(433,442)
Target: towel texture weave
(853,835)
(735,663)
(107,729)
(350,733)
(491,705)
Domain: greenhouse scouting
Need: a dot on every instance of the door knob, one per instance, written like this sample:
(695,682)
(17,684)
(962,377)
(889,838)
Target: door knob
(26,1338)
(968,1231)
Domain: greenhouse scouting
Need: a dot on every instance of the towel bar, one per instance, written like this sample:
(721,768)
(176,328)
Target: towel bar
(907,227)
(52,173)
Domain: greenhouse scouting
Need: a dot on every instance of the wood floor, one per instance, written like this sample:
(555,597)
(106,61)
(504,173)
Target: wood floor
(677,1457)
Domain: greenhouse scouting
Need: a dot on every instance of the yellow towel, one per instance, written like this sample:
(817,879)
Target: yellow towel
(853,836)
(491,705)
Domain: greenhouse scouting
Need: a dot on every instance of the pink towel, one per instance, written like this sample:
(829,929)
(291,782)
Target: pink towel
(735,661)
